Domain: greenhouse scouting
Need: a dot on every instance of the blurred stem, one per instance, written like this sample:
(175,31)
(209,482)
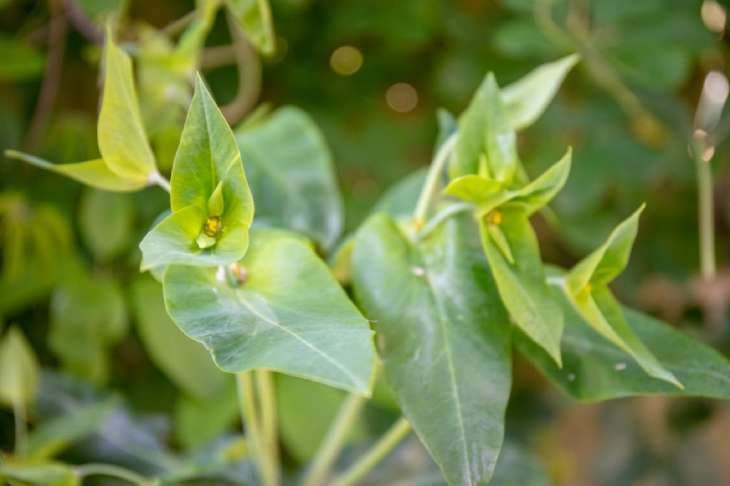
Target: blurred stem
(706,215)
(179,24)
(428,193)
(21,431)
(387,443)
(51,76)
(157,179)
(251,420)
(249,75)
(267,396)
(82,24)
(112,471)
(334,440)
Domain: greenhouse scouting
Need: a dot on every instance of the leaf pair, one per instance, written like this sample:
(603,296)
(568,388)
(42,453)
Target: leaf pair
(127,162)
(586,287)
(512,249)
(212,206)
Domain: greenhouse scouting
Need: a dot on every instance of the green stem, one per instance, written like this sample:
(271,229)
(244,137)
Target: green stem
(21,430)
(387,443)
(270,443)
(706,212)
(111,471)
(432,180)
(334,441)
(254,437)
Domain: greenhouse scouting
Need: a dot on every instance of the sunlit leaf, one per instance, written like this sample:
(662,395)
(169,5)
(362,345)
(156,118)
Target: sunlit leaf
(445,339)
(254,18)
(526,99)
(207,156)
(281,309)
(93,173)
(122,140)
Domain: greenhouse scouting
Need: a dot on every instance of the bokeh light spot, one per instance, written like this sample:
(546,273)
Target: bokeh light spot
(346,60)
(401,97)
(713,16)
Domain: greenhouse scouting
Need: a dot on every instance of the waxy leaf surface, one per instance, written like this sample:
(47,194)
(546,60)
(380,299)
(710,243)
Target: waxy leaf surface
(290,315)
(207,167)
(446,346)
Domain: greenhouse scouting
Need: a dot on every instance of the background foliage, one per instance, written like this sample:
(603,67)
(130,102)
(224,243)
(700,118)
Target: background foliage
(372,76)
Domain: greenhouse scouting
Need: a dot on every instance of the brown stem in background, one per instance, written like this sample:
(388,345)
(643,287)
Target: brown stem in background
(249,75)
(52,76)
(82,24)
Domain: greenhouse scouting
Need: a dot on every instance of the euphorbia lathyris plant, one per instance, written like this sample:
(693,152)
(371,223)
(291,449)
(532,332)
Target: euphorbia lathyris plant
(449,279)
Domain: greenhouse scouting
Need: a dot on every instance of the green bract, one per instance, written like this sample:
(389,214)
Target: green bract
(512,250)
(586,287)
(279,309)
(212,206)
(18,370)
(446,347)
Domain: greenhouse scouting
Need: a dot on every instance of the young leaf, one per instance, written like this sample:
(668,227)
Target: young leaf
(45,473)
(207,156)
(607,261)
(446,346)
(280,309)
(254,18)
(122,140)
(93,173)
(473,188)
(18,370)
(595,370)
(484,130)
(521,284)
(526,99)
(538,193)
(184,361)
(291,173)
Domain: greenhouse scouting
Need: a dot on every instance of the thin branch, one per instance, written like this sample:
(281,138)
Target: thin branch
(249,75)
(82,23)
(52,75)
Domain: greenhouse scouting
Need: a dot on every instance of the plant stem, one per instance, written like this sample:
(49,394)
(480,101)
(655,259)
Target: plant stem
(21,430)
(334,440)
(157,179)
(432,180)
(706,213)
(254,437)
(111,471)
(270,443)
(387,443)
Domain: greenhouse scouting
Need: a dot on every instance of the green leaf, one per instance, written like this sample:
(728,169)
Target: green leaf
(537,194)
(445,339)
(596,370)
(306,411)
(526,99)
(485,131)
(44,473)
(122,140)
(281,310)
(607,261)
(106,221)
(473,188)
(521,284)
(600,310)
(291,173)
(254,18)
(88,316)
(184,361)
(400,199)
(93,173)
(18,370)
(20,61)
(51,437)
(207,155)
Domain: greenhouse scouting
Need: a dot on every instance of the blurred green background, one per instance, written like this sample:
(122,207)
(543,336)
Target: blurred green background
(372,75)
